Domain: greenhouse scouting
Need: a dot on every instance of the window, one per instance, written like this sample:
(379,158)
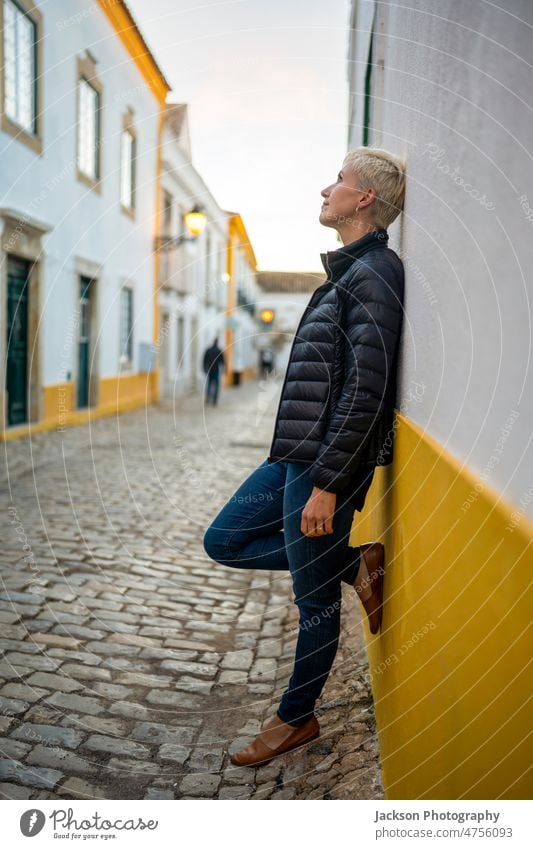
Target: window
(127,169)
(181,342)
(208,283)
(20,67)
(126,326)
(182,227)
(367,115)
(88,129)
(168,209)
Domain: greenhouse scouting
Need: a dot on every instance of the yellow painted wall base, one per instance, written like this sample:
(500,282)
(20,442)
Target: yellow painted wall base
(117,395)
(248,373)
(449,668)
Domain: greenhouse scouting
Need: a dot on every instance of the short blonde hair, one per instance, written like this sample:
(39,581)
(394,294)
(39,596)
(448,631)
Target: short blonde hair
(379,169)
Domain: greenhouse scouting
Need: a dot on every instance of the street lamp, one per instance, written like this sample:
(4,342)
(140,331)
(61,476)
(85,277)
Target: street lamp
(267,317)
(195,221)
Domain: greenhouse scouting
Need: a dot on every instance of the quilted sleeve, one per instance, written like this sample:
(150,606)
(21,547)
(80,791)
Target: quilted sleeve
(370,329)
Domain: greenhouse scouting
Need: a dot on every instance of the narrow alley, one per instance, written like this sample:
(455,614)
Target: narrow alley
(131,661)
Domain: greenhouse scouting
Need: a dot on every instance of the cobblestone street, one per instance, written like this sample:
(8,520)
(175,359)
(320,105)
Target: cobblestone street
(130,660)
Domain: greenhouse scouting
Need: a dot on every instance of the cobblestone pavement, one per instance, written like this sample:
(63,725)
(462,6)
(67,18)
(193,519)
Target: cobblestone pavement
(130,661)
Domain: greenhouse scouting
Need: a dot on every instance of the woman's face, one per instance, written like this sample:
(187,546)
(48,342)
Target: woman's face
(340,199)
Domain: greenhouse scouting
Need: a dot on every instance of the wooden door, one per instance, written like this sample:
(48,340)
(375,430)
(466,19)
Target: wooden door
(17,340)
(84,343)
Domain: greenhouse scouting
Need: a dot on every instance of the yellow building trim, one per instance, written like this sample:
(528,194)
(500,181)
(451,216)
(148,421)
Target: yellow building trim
(125,388)
(58,400)
(126,29)
(117,394)
(449,666)
(249,373)
(237,237)
(238,231)
(230,305)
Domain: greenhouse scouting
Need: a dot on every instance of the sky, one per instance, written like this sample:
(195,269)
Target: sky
(267,90)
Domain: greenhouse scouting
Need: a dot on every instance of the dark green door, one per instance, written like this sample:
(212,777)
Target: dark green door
(17,340)
(84,343)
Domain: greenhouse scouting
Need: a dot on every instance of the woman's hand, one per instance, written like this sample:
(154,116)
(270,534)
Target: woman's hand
(317,515)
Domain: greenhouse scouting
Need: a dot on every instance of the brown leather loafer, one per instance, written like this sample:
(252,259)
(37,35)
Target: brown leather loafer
(262,749)
(374,556)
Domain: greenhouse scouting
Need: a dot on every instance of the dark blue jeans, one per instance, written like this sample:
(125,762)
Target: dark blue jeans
(259,528)
(213,383)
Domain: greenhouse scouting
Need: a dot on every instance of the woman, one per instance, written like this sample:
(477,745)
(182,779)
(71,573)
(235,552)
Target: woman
(333,426)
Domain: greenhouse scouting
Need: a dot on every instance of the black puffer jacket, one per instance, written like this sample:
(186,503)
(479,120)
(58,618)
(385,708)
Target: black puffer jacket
(336,409)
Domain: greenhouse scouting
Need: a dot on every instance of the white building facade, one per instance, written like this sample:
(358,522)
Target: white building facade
(193,280)
(242,318)
(435,112)
(447,87)
(78,197)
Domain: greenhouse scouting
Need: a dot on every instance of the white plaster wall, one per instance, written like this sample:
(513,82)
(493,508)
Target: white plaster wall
(457,104)
(187,187)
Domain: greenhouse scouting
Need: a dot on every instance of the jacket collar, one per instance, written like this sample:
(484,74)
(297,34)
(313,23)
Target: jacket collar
(337,262)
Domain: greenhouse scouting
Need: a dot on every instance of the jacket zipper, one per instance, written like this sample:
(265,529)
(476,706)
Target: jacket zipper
(310,304)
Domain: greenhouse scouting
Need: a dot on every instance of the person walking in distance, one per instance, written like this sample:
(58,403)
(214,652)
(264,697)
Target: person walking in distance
(267,361)
(213,363)
(333,426)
